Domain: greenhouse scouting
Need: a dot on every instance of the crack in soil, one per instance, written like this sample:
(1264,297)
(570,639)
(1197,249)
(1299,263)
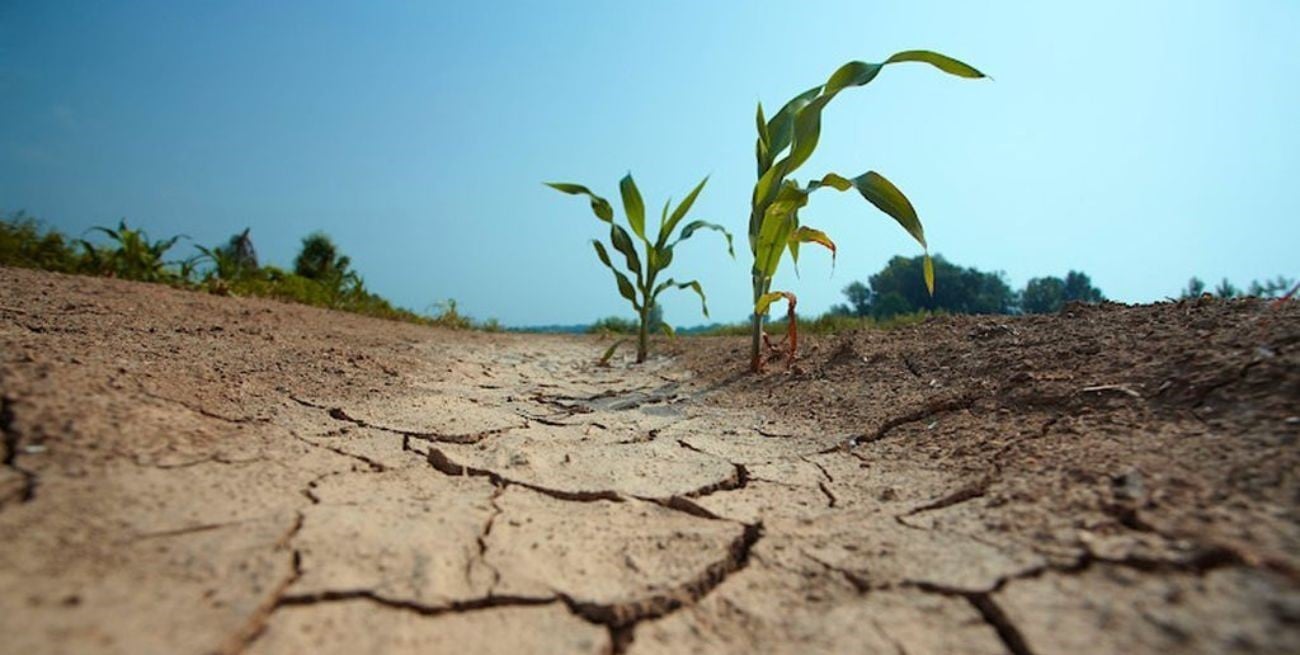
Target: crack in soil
(963,494)
(830,497)
(340,414)
(943,405)
(482,542)
(738,479)
(200,410)
(12,441)
(619,618)
(257,623)
(423,609)
(374,465)
(622,618)
(443,464)
(991,612)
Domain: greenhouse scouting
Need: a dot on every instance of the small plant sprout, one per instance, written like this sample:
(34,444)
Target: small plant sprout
(645,264)
(793,132)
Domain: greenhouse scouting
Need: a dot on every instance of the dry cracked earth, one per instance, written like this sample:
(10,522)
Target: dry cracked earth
(192,474)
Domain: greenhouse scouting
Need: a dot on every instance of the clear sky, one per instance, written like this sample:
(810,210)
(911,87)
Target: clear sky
(1141,142)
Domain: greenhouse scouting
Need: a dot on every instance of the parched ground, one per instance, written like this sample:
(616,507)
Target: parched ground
(191,474)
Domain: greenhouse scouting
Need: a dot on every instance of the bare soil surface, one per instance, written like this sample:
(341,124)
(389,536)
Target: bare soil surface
(191,474)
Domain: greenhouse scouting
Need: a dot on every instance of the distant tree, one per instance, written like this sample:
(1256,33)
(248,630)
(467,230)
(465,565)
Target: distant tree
(1270,288)
(233,261)
(897,289)
(841,310)
(1195,288)
(1226,289)
(620,325)
(240,249)
(320,260)
(1043,295)
(859,296)
(1078,288)
(655,321)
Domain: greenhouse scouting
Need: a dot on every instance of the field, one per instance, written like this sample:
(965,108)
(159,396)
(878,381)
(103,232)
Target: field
(188,473)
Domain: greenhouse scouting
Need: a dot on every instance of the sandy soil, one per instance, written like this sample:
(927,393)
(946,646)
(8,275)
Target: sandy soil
(192,474)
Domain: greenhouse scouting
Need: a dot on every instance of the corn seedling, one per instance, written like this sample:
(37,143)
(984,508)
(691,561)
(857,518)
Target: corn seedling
(774,226)
(135,256)
(653,257)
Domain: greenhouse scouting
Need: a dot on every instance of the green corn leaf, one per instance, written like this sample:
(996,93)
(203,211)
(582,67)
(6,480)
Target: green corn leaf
(761,123)
(885,196)
(622,242)
(668,330)
(942,62)
(781,128)
(665,257)
(805,234)
(625,287)
(929,274)
(693,285)
(633,205)
(666,230)
(807,132)
(694,226)
(854,73)
(609,352)
(765,301)
(764,191)
(833,180)
(778,223)
(599,206)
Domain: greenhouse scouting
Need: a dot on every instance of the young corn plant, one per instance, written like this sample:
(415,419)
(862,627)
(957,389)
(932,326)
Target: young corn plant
(135,256)
(645,264)
(784,143)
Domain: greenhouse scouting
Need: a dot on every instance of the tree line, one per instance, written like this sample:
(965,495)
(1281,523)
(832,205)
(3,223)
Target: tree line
(966,290)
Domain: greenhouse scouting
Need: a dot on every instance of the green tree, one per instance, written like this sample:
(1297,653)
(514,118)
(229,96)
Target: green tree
(235,260)
(1045,295)
(898,289)
(320,260)
(1078,288)
(1195,287)
(1270,288)
(1226,289)
(859,296)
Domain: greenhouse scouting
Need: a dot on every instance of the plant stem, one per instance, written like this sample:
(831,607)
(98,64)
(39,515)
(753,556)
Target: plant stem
(642,343)
(756,341)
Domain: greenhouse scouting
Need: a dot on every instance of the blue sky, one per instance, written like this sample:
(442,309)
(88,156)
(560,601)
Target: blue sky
(1141,142)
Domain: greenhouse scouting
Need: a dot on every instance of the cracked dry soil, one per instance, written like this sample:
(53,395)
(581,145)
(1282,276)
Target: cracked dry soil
(191,474)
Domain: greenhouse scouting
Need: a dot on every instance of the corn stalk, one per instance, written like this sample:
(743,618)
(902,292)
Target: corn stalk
(646,263)
(784,143)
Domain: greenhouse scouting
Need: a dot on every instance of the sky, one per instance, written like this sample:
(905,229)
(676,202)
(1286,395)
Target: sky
(1140,142)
